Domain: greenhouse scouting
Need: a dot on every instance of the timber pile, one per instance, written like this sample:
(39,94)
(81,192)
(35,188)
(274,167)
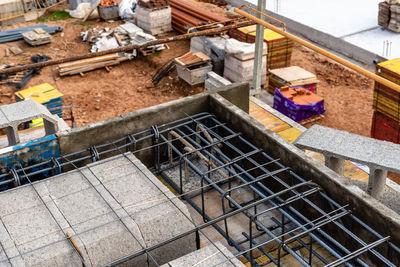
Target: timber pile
(85,65)
(185,16)
(37,37)
(389,15)
(279,47)
(386,119)
(292,76)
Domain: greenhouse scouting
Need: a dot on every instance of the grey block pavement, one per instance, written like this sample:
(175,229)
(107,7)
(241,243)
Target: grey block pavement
(31,236)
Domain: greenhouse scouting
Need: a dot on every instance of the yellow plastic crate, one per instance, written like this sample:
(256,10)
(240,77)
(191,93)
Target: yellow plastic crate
(42,93)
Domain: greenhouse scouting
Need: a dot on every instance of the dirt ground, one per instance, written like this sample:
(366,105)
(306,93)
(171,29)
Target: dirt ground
(100,94)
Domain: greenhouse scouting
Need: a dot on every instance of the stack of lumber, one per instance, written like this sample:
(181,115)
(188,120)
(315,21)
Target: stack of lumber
(386,119)
(389,15)
(239,62)
(298,103)
(279,47)
(37,36)
(292,76)
(185,16)
(85,65)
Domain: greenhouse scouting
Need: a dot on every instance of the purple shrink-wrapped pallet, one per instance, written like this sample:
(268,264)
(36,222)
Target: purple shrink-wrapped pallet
(297,112)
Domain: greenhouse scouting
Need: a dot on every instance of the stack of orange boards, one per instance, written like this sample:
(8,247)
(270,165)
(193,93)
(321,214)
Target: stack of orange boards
(386,119)
(279,47)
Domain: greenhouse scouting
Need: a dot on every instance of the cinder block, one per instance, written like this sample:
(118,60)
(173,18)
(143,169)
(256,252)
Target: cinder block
(154,21)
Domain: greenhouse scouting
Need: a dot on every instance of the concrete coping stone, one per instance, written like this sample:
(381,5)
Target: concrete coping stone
(374,153)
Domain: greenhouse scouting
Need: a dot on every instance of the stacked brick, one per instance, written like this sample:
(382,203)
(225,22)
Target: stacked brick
(389,15)
(154,16)
(279,47)
(386,119)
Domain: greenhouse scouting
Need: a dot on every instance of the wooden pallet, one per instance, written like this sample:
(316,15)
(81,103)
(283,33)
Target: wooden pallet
(147,51)
(312,119)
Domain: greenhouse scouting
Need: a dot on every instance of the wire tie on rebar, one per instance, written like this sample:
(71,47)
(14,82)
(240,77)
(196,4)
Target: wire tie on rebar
(93,151)
(17,181)
(56,164)
(156,133)
(132,140)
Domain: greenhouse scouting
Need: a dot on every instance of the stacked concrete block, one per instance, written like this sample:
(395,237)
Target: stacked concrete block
(212,255)
(389,15)
(239,62)
(214,81)
(154,21)
(111,209)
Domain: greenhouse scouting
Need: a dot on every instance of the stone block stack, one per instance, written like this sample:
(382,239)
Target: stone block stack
(239,62)
(389,15)
(154,16)
(386,119)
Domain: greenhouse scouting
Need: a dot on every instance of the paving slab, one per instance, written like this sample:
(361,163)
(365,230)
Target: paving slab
(108,207)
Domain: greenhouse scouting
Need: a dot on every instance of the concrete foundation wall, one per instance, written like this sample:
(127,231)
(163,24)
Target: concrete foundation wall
(111,129)
(378,216)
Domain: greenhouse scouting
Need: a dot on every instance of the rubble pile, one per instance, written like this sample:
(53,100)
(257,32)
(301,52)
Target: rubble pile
(125,34)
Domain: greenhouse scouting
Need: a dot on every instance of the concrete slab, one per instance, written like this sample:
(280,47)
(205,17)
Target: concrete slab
(211,255)
(374,153)
(92,205)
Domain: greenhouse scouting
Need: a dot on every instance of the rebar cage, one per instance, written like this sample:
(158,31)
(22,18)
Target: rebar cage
(262,209)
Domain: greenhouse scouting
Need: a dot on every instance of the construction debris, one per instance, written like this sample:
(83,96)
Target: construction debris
(386,120)
(19,79)
(239,62)
(37,36)
(389,15)
(165,69)
(123,35)
(16,50)
(85,65)
(298,103)
(129,48)
(192,68)
(291,76)
(16,34)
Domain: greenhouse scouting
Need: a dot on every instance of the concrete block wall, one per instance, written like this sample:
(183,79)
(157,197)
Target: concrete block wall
(154,21)
(82,203)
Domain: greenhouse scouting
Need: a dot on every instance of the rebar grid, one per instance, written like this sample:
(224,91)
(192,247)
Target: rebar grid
(220,148)
(242,165)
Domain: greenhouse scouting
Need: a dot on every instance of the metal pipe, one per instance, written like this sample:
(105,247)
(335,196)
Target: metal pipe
(317,49)
(127,48)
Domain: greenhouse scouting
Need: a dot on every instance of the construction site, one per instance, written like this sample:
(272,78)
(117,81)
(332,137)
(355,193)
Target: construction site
(199,133)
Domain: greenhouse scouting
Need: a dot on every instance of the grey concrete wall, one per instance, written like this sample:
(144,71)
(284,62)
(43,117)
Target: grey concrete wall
(331,42)
(378,216)
(111,129)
